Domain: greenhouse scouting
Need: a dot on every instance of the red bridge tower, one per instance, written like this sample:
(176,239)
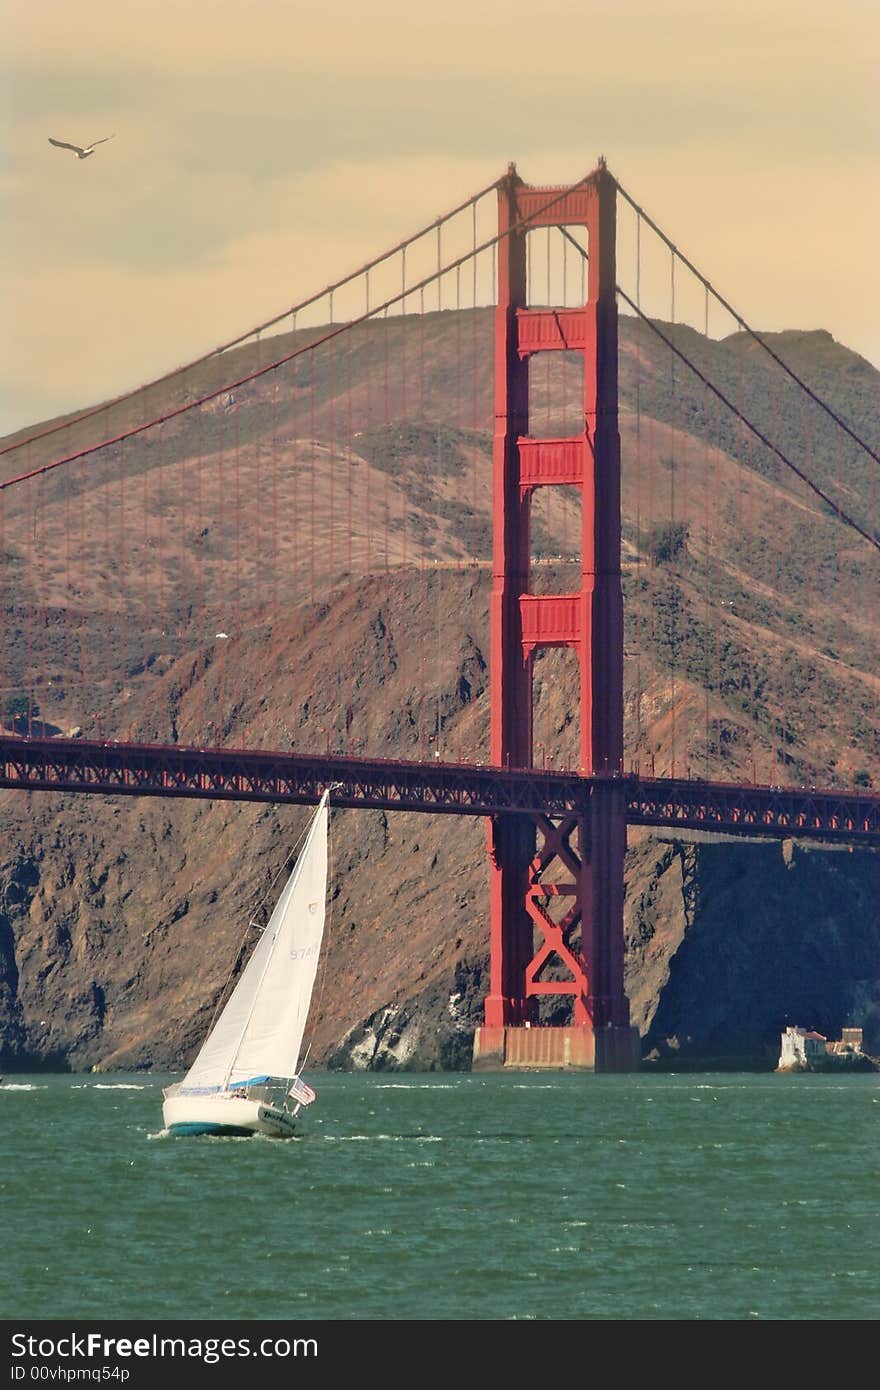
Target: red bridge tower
(580,859)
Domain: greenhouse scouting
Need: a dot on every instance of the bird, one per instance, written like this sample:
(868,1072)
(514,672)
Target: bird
(81,151)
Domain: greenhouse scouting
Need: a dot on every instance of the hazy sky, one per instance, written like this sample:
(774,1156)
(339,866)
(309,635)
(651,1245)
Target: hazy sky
(264,147)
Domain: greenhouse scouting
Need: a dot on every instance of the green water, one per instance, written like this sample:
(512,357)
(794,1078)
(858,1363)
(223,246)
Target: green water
(463,1196)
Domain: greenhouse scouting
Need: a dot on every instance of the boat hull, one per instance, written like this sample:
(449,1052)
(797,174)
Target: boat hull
(226,1115)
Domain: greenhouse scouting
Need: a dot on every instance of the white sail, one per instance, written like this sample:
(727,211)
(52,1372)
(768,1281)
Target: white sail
(259,1033)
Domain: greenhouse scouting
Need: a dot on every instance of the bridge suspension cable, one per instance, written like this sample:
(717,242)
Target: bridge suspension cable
(370,312)
(254,332)
(759,434)
(738,318)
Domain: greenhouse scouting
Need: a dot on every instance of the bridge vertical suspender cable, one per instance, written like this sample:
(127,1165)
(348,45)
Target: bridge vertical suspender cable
(816,399)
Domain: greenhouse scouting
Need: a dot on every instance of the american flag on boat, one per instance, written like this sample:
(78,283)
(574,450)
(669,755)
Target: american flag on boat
(301,1091)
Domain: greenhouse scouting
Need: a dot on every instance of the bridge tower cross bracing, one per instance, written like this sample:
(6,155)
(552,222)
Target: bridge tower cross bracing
(580,859)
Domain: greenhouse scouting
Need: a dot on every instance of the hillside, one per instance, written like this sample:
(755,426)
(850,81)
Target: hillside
(751,648)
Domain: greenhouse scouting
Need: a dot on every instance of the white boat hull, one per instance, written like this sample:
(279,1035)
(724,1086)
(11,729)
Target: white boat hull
(226,1114)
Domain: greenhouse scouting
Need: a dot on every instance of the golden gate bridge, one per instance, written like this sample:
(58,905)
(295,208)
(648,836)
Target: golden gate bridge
(592,568)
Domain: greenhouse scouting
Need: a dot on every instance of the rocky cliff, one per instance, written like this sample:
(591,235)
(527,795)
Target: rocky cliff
(121,924)
(121,920)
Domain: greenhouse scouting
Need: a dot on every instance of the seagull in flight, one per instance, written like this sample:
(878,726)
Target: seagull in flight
(81,151)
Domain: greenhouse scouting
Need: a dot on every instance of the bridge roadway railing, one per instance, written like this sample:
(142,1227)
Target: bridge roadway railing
(125,769)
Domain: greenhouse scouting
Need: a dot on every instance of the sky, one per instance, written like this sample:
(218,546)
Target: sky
(265,147)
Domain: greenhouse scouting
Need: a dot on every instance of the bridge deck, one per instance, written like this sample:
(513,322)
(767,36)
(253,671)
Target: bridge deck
(121,769)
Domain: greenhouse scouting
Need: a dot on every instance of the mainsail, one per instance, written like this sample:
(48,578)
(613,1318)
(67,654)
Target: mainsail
(260,1031)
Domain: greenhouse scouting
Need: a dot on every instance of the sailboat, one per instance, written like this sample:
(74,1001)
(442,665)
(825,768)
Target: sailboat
(245,1079)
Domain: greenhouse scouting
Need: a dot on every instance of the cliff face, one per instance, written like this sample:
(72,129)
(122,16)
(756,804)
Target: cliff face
(729,942)
(121,925)
(122,922)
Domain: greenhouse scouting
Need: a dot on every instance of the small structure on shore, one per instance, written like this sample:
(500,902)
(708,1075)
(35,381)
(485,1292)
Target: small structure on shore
(803,1050)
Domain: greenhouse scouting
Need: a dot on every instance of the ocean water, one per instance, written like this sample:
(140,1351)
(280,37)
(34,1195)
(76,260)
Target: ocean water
(449,1197)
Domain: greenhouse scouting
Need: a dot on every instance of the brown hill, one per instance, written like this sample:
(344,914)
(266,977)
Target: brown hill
(362,622)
